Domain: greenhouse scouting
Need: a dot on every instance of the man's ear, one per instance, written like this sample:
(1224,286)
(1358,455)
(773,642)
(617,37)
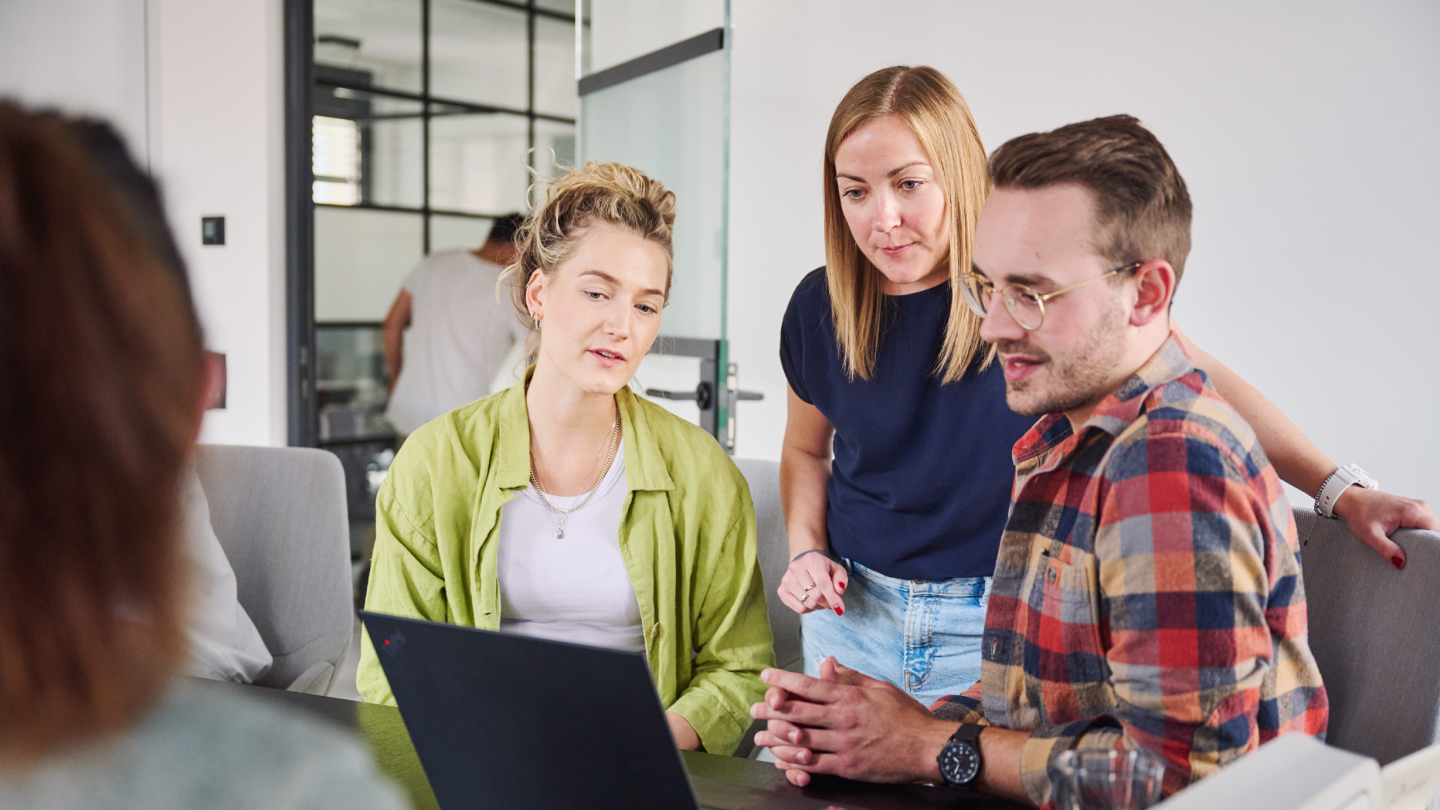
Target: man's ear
(1154,287)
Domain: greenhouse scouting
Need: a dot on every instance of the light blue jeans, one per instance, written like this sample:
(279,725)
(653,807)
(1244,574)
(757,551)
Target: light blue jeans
(924,637)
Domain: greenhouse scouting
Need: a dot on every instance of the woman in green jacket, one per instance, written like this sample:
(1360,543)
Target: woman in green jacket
(567,507)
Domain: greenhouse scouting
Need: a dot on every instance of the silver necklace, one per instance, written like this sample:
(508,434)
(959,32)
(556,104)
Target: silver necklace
(565,513)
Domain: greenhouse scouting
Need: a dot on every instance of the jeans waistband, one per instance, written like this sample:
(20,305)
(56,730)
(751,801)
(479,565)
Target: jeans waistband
(959,586)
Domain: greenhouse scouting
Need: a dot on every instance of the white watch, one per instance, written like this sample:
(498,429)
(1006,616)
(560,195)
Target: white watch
(1338,482)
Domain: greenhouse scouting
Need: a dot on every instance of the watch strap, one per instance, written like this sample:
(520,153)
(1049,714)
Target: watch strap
(1342,479)
(968,733)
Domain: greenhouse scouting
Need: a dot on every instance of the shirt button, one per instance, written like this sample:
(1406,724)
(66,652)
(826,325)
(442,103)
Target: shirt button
(1050,575)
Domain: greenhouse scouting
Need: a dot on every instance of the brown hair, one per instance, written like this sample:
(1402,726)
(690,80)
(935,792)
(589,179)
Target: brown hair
(594,193)
(1142,210)
(100,379)
(936,112)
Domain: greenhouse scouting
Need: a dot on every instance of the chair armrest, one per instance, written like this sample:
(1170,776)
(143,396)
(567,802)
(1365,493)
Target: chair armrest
(315,680)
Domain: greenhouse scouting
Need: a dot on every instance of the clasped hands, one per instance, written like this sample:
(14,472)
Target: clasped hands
(848,724)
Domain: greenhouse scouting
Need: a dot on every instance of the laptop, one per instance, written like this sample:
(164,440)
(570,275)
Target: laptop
(502,720)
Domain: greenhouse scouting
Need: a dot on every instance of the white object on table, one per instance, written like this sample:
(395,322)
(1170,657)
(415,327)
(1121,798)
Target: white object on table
(1412,782)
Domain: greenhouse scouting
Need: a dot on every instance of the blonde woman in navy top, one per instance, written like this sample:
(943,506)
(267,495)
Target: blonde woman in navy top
(895,472)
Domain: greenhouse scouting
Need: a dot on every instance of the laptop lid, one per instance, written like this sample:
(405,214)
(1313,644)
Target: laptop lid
(502,720)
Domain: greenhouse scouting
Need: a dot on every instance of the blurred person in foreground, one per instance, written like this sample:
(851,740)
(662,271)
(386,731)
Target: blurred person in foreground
(447,334)
(224,643)
(102,388)
(1148,591)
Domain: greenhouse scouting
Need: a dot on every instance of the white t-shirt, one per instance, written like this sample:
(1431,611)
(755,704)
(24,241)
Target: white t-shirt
(224,644)
(460,335)
(573,588)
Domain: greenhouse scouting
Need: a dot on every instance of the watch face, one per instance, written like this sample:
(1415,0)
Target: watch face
(959,762)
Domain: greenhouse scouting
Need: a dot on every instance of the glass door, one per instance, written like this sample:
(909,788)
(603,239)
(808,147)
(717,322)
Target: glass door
(654,94)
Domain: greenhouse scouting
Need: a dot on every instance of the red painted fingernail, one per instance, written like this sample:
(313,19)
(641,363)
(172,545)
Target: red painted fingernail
(840,587)
(839,611)
(1398,562)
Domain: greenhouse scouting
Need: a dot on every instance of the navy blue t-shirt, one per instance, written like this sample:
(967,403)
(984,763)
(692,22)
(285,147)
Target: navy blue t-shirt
(920,485)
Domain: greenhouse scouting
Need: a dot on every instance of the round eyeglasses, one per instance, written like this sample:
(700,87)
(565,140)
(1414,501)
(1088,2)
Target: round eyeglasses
(1025,304)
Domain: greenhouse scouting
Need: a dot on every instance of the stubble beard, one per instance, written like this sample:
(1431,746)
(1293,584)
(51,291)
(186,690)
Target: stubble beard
(1079,377)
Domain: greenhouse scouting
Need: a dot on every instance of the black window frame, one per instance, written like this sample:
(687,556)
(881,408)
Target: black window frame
(301,82)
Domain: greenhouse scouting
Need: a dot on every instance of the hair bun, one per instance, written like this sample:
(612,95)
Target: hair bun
(611,193)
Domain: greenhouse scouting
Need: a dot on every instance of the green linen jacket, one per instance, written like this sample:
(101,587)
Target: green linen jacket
(687,534)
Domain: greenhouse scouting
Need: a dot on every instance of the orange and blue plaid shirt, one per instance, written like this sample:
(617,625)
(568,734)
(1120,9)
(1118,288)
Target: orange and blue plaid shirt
(1148,591)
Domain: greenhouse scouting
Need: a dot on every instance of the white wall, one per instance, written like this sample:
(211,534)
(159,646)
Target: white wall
(87,55)
(195,86)
(221,128)
(1304,130)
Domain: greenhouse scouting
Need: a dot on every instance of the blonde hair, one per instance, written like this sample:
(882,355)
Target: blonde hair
(936,112)
(595,193)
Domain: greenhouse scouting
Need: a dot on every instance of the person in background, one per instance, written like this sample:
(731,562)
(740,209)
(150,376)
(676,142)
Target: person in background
(102,390)
(224,643)
(895,470)
(448,335)
(1148,592)
(571,509)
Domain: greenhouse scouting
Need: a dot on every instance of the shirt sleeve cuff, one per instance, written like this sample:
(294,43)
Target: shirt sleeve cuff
(959,708)
(1046,743)
(717,728)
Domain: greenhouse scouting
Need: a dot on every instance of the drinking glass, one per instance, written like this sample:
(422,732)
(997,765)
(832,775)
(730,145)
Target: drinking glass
(1107,780)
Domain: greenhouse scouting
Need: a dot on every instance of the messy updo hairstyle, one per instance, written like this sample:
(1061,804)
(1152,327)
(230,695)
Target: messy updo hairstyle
(595,193)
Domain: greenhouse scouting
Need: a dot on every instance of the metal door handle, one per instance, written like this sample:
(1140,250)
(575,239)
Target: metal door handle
(703,395)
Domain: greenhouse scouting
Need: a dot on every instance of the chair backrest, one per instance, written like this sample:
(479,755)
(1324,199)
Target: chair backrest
(774,551)
(279,513)
(1375,633)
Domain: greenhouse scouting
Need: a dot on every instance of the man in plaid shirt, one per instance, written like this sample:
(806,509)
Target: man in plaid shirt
(1148,590)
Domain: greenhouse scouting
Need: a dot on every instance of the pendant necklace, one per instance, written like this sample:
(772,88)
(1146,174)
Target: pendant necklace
(565,513)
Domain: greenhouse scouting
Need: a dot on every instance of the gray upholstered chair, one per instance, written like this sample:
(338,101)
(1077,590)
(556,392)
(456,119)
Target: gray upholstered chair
(774,551)
(1375,633)
(279,513)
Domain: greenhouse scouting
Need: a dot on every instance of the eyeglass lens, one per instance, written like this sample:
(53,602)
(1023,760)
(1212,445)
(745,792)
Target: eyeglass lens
(1023,303)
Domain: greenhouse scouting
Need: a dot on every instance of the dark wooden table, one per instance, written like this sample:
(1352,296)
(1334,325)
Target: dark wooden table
(384,732)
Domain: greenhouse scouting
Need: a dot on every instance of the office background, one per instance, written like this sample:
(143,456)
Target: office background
(1305,132)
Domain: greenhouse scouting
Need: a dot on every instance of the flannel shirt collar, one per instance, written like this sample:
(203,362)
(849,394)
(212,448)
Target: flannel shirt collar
(645,467)
(1116,411)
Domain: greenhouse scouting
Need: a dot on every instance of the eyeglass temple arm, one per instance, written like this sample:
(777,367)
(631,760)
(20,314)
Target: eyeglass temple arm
(1046,296)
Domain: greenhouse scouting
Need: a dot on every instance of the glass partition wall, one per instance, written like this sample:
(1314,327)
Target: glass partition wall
(426,120)
(655,94)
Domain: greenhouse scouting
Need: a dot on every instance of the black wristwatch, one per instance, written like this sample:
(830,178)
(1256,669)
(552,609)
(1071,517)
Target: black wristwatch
(960,759)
